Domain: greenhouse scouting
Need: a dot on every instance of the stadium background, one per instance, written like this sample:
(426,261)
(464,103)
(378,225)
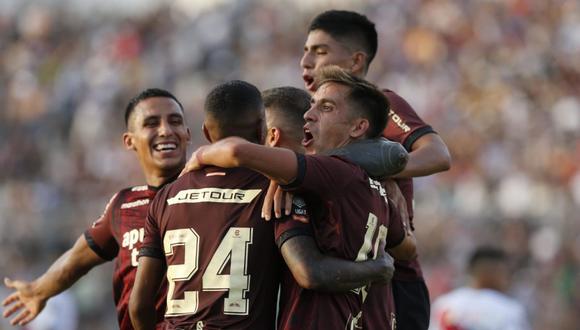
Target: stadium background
(499,80)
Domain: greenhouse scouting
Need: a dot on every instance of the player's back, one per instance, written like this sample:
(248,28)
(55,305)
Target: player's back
(222,262)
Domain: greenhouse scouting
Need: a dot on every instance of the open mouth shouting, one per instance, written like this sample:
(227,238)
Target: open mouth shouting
(308,138)
(309,82)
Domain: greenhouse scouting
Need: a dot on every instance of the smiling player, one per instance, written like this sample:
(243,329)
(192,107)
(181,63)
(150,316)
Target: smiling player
(157,133)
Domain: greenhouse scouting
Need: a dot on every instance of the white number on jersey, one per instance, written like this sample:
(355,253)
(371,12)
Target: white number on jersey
(233,248)
(365,249)
(367,245)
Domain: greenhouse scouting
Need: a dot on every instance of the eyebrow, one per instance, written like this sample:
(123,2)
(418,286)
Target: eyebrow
(151,117)
(175,115)
(316,46)
(323,100)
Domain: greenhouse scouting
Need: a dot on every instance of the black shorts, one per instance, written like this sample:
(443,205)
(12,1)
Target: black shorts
(411,304)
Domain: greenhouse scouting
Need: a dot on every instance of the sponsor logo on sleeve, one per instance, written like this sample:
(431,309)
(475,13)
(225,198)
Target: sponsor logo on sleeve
(399,121)
(214,195)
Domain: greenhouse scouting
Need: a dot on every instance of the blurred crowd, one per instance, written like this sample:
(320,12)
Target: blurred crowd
(498,79)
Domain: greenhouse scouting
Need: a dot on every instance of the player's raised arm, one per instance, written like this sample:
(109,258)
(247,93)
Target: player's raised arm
(278,164)
(30,298)
(429,155)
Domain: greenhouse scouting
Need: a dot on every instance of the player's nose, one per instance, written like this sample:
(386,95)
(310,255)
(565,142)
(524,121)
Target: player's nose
(165,129)
(309,115)
(306,61)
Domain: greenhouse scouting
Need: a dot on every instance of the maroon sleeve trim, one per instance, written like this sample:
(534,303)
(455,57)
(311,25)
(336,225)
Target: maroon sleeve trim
(96,248)
(301,173)
(416,135)
(151,252)
(292,233)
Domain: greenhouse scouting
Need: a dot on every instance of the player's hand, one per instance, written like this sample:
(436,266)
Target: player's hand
(279,198)
(194,162)
(386,262)
(24,301)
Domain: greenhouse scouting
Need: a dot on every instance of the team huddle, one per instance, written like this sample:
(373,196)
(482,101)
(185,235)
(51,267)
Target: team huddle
(196,248)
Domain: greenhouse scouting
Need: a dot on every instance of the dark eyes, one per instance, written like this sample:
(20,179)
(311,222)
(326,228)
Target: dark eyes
(155,122)
(176,121)
(151,123)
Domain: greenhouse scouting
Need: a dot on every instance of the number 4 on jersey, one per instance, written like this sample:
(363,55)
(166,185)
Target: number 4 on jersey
(233,249)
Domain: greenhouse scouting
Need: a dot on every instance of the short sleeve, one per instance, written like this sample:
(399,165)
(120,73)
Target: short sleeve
(100,236)
(404,125)
(297,224)
(152,246)
(397,230)
(322,175)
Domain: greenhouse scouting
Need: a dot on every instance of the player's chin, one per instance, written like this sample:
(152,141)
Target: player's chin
(170,163)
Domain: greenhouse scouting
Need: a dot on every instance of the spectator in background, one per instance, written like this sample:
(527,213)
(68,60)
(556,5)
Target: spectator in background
(483,303)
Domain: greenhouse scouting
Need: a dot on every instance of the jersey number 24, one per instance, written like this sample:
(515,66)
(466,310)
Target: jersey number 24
(233,248)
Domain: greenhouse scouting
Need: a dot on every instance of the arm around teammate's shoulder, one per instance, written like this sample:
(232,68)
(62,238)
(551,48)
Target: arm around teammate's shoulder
(429,155)
(278,164)
(315,271)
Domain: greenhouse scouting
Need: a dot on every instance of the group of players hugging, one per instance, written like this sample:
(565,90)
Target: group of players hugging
(297,215)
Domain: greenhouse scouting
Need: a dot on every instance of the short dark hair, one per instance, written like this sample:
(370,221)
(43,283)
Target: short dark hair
(236,107)
(289,103)
(350,27)
(144,95)
(484,254)
(367,99)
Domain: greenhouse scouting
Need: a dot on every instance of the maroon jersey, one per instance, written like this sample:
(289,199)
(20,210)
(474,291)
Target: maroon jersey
(379,303)
(223,266)
(118,233)
(405,126)
(354,214)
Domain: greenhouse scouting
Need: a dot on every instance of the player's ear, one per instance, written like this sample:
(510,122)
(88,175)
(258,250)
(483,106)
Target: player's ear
(188,135)
(128,141)
(359,128)
(206,133)
(359,60)
(273,137)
